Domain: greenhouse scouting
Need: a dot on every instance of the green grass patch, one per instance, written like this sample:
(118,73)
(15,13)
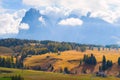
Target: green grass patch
(5,79)
(39,75)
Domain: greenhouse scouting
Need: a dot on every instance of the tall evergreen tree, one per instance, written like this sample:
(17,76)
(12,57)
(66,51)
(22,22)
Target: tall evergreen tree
(66,70)
(104,66)
(119,61)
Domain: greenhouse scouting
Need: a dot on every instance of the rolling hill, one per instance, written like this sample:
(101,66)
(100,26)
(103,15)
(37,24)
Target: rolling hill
(55,56)
(71,60)
(6,51)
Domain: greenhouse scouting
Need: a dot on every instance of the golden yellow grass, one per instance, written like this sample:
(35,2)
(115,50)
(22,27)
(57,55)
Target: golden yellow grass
(72,55)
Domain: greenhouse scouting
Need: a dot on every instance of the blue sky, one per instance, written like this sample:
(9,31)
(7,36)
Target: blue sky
(81,21)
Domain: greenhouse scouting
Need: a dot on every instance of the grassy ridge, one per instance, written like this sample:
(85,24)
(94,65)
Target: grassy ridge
(73,56)
(38,75)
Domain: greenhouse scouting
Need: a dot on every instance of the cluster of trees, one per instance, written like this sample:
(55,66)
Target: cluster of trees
(105,64)
(34,51)
(34,47)
(51,46)
(47,46)
(9,62)
(91,60)
(62,46)
(15,42)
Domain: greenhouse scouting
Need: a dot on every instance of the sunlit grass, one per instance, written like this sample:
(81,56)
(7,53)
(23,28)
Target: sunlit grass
(71,55)
(39,75)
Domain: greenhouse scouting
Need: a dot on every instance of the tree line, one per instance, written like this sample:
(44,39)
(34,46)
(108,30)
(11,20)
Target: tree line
(9,62)
(51,46)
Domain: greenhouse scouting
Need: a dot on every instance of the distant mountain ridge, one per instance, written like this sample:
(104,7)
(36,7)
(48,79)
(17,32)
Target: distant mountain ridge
(31,15)
(49,29)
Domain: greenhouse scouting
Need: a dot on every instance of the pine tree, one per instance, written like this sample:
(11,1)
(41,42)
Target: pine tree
(109,64)
(66,70)
(90,60)
(119,61)
(104,66)
(81,62)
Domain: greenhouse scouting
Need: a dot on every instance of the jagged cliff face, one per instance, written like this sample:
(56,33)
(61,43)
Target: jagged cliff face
(36,26)
(32,18)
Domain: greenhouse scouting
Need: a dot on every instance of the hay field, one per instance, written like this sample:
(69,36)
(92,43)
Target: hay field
(71,58)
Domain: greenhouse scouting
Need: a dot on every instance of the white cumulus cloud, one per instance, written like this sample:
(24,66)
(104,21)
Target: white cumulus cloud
(24,26)
(41,19)
(71,22)
(107,10)
(10,23)
(54,14)
(39,3)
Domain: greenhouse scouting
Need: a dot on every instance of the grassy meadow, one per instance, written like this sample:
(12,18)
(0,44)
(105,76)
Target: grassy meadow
(39,75)
(71,58)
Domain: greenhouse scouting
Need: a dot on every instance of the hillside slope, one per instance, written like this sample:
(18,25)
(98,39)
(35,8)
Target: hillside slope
(5,51)
(71,60)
